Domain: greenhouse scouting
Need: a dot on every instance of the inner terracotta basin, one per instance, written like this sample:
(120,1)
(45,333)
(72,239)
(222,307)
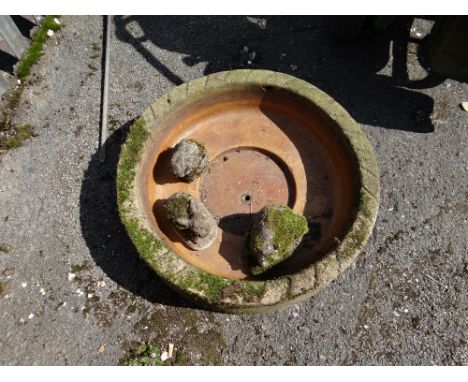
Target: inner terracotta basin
(266,146)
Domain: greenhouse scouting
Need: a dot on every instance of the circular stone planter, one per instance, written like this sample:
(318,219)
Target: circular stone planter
(271,139)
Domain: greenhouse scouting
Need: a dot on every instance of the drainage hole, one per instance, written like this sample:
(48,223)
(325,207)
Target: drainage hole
(246,198)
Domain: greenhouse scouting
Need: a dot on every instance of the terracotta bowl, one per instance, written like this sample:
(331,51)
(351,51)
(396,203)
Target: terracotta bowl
(271,139)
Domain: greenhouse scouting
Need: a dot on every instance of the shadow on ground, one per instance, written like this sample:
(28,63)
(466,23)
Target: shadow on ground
(303,47)
(105,236)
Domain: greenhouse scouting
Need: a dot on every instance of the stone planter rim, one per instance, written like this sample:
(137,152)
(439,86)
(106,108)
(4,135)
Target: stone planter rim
(244,296)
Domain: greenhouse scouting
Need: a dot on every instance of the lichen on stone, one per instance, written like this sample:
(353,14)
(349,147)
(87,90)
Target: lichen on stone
(275,233)
(192,220)
(189,159)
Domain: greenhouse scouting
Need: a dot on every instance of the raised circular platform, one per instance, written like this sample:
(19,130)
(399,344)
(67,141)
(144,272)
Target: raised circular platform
(271,139)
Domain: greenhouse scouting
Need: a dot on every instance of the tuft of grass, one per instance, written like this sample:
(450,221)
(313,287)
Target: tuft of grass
(146,355)
(35,50)
(22,133)
(4,247)
(95,47)
(12,100)
(80,267)
(4,287)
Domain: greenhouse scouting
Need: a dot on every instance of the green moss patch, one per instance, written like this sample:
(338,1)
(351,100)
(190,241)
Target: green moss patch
(35,50)
(145,242)
(275,235)
(177,207)
(288,227)
(212,286)
(254,290)
(216,288)
(129,158)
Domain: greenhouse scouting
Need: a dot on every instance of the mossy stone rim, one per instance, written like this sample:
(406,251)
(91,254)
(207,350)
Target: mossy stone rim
(244,296)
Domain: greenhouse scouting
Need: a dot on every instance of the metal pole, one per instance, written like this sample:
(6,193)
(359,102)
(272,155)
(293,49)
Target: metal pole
(103,131)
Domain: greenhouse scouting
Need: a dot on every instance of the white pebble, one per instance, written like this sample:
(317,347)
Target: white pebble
(71,276)
(57,21)
(396,314)
(406,311)
(31,315)
(164,356)
(90,295)
(42,291)
(50,32)
(21,320)
(366,327)
(24,284)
